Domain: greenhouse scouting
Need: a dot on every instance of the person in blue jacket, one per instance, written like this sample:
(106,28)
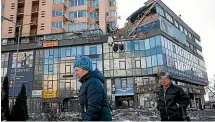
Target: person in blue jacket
(92,96)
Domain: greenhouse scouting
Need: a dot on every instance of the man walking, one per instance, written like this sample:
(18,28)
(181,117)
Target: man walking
(92,96)
(172,100)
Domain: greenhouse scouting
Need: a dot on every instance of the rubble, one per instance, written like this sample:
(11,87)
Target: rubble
(130,114)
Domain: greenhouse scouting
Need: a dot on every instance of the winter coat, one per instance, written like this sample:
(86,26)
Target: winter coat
(167,102)
(93,99)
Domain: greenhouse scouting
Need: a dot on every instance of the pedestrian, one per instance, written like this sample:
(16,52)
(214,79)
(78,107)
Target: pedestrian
(92,96)
(172,100)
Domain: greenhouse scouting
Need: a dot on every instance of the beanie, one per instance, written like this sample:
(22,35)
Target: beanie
(84,62)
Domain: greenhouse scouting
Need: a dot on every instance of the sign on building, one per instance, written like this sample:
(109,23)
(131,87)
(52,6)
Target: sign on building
(50,43)
(37,93)
(24,71)
(49,94)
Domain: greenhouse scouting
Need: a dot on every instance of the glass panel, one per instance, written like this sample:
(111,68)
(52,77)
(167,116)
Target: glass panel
(130,82)
(147,44)
(137,63)
(142,44)
(93,50)
(86,50)
(122,64)
(124,85)
(128,46)
(160,59)
(149,61)
(154,60)
(136,45)
(117,83)
(79,50)
(152,42)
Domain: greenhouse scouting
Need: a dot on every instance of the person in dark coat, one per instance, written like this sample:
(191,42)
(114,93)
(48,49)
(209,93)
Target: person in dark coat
(171,100)
(92,96)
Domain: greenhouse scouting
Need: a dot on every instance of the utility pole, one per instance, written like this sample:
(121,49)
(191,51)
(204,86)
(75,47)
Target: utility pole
(17,56)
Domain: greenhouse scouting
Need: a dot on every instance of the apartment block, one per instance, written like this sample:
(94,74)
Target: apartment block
(39,17)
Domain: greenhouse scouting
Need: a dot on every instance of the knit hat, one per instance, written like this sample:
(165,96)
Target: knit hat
(84,62)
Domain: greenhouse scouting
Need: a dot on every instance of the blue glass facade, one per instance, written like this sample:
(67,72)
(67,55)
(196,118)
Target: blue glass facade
(51,65)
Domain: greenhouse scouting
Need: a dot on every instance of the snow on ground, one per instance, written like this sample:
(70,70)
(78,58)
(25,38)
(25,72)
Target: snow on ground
(127,115)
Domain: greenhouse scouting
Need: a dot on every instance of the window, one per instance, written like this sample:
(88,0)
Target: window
(128,46)
(181,28)
(93,26)
(124,84)
(94,3)
(122,64)
(57,25)
(169,17)
(176,24)
(76,14)
(158,41)
(93,50)
(160,59)
(152,42)
(50,84)
(4,42)
(147,44)
(198,41)
(57,12)
(77,2)
(142,44)
(79,50)
(113,3)
(136,45)
(50,68)
(68,68)
(112,24)
(58,1)
(137,64)
(149,61)
(154,60)
(77,26)
(159,10)
(93,15)
(112,13)
(185,32)
(2,7)
(82,13)
(190,35)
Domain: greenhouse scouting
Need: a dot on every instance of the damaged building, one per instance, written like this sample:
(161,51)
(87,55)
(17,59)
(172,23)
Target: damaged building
(154,39)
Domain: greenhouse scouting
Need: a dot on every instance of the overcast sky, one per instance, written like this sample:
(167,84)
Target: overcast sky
(198,14)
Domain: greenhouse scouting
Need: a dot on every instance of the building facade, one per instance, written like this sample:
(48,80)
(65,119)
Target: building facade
(56,16)
(45,63)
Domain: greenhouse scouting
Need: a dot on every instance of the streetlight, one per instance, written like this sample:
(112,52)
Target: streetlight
(17,51)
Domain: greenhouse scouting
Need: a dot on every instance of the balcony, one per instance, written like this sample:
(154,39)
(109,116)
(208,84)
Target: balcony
(97,20)
(19,1)
(33,32)
(20,11)
(35,9)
